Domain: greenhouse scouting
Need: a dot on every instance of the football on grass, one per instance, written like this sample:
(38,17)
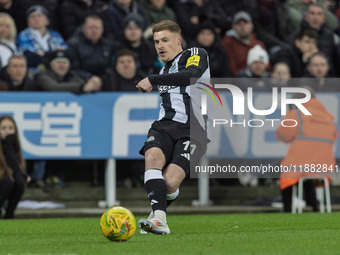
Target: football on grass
(118,224)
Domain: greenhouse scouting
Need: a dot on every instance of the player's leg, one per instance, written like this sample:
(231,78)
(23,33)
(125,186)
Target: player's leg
(173,175)
(157,192)
(154,180)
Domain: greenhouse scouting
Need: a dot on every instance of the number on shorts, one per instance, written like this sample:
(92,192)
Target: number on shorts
(186,146)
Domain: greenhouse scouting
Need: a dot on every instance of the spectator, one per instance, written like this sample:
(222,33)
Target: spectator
(280,74)
(13,175)
(311,142)
(239,40)
(208,39)
(144,50)
(190,13)
(125,74)
(327,40)
(13,8)
(119,9)
(318,72)
(257,61)
(37,41)
(74,12)
(298,52)
(57,76)
(14,76)
(89,51)
(8,33)
(297,9)
(52,6)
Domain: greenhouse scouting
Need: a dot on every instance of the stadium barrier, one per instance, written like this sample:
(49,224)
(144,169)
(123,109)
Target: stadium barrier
(114,125)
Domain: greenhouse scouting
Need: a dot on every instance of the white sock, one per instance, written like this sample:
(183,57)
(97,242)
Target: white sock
(172,196)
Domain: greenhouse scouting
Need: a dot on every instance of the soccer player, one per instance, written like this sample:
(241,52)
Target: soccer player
(168,147)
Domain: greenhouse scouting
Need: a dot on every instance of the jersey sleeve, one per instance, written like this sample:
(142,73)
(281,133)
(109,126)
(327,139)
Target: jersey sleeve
(196,63)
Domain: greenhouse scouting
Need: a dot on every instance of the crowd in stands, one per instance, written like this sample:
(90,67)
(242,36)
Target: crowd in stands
(85,46)
(243,39)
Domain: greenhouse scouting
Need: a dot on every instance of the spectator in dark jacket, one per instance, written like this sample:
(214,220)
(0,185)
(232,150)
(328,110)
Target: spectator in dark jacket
(90,52)
(297,53)
(190,13)
(125,74)
(73,13)
(56,75)
(119,9)
(209,40)
(144,50)
(14,76)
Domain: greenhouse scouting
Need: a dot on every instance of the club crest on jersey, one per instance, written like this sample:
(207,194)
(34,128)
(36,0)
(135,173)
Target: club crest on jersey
(163,88)
(173,68)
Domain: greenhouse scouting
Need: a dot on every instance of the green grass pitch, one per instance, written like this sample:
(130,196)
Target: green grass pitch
(308,233)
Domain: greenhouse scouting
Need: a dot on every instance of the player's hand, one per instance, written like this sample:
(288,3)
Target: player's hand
(144,85)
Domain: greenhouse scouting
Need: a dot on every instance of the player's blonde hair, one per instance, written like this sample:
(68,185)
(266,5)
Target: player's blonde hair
(166,25)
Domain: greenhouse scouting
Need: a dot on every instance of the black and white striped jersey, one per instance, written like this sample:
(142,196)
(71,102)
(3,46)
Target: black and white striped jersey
(174,84)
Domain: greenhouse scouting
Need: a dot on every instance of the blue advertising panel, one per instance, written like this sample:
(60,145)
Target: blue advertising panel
(64,125)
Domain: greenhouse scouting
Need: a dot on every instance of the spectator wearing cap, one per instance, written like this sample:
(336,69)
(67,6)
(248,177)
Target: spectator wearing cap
(191,13)
(52,6)
(14,76)
(144,50)
(208,39)
(55,75)
(257,63)
(117,11)
(239,40)
(37,41)
(89,51)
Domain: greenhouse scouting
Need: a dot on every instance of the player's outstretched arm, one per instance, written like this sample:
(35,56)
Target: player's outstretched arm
(144,85)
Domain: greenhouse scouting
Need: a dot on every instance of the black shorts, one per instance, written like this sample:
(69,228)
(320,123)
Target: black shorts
(173,138)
